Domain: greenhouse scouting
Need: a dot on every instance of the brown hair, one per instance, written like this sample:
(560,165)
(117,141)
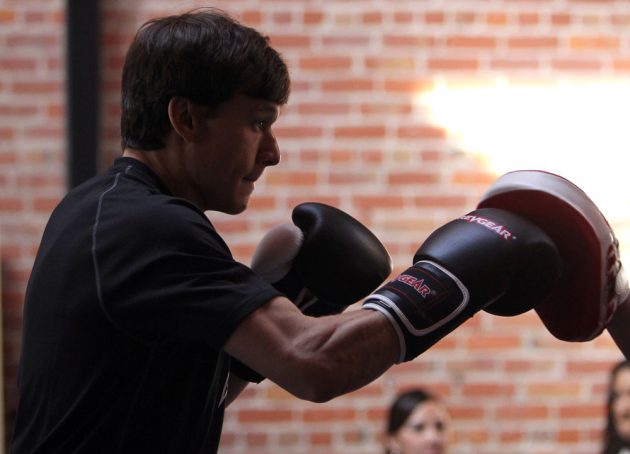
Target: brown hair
(203,55)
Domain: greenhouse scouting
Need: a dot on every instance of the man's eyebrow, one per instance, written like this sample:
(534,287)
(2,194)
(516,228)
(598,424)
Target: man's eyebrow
(271,108)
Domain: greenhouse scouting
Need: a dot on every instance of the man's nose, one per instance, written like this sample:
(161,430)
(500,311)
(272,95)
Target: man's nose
(269,153)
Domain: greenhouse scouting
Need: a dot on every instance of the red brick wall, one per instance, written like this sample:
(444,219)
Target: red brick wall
(32,139)
(350,136)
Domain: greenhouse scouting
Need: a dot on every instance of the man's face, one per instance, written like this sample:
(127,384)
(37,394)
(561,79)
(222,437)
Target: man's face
(231,153)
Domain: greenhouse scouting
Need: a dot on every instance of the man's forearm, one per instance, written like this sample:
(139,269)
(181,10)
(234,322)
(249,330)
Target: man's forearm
(315,359)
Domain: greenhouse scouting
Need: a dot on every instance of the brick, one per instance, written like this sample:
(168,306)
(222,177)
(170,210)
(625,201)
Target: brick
(264,416)
(356,132)
(523,412)
(321,438)
(561,19)
(569,436)
(421,132)
(251,17)
(452,64)
(497,18)
(564,389)
(466,413)
(592,366)
(472,42)
(351,178)
(386,108)
(11,204)
(313,17)
(489,342)
(488,390)
(289,178)
(34,41)
(383,201)
(514,64)
(576,65)
(406,40)
(17,64)
(7,16)
(346,40)
(298,132)
(473,177)
(465,17)
(594,43)
(622,20)
(328,414)
(35,87)
(621,65)
(511,437)
(282,18)
(348,85)
(413,178)
(256,439)
(282,41)
(325,63)
(435,17)
(529,18)
(321,108)
(262,203)
(288,439)
(541,42)
(407,85)
(581,411)
(403,17)
(372,17)
(390,63)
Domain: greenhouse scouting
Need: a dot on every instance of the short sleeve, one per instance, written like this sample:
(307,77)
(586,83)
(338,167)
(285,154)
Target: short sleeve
(165,273)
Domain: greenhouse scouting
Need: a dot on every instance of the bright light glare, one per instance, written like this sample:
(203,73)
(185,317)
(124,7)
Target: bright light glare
(577,129)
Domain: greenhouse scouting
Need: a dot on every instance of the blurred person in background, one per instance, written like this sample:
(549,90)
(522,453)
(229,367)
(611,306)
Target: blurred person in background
(418,423)
(617,434)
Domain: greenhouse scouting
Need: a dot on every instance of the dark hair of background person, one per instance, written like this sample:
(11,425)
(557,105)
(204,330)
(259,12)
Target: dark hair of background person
(612,441)
(402,407)
(205,58)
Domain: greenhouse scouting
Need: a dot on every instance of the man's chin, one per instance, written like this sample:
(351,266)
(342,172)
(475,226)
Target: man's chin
(237,207)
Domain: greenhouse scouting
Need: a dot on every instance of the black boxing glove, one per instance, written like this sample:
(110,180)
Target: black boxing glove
(324,262)
(462,268)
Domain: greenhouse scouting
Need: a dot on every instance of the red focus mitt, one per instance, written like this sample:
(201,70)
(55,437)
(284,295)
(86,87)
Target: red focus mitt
(592,283)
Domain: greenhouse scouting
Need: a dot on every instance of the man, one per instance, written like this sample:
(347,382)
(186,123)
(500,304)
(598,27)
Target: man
(133,293)
(140,327)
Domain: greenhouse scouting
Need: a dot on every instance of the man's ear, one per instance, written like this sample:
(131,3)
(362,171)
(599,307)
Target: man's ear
(187,118)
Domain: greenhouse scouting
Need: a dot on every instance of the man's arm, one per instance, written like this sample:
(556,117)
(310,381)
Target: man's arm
(319,358)
(619,327)
(315,359)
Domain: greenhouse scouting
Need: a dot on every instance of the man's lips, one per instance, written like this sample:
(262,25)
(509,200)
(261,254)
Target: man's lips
(253,178)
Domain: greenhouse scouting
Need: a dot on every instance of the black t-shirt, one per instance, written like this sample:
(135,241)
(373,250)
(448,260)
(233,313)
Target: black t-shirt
(130,300)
